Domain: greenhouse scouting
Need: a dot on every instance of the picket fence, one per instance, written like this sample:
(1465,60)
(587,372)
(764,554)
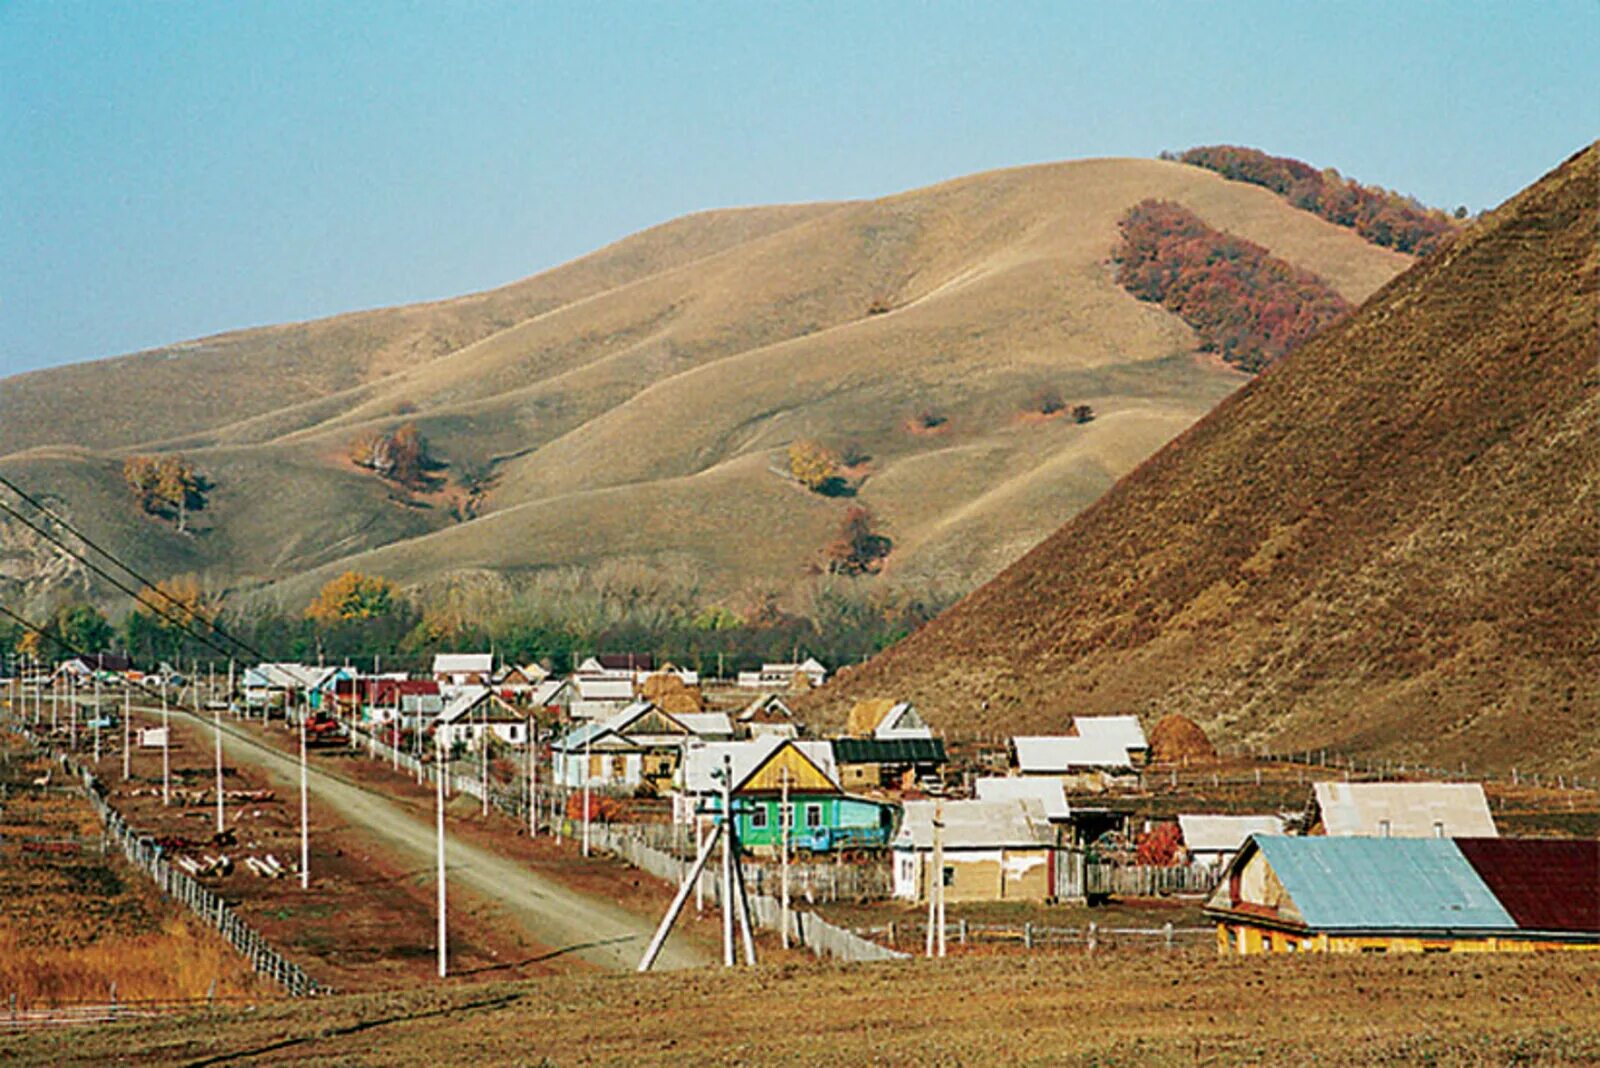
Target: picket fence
(805,928)
(145,855)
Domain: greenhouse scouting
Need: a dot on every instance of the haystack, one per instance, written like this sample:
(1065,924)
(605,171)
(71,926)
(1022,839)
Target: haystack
(866,715)
(671,694)
(1176,739)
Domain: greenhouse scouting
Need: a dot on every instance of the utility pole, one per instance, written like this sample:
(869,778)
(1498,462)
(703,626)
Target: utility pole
(127,727)
(588,769)
(533,777)
(305,810)
(216,729)
(727,861)
(483,757)
(166,746)
(72,710)
(439,808)
(783,826)
(936,886)
(233,708)
(97,720)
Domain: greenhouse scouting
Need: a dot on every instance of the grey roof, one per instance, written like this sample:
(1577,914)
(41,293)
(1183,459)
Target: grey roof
(1051,794)
(1013,823)
(1224,834)
(1411,809)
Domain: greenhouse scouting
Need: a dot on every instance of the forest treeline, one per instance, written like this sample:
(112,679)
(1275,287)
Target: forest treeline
(555,617)
(1382,216)
(1247,306)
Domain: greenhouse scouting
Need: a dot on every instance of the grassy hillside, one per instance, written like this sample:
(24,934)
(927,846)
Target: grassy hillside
(1385,543)
(632,404)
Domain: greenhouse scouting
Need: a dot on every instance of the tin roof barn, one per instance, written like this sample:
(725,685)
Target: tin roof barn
(1400,810)
(1215,839)
(1358,894)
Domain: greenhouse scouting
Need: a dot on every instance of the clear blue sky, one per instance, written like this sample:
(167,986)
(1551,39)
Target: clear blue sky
(171,170)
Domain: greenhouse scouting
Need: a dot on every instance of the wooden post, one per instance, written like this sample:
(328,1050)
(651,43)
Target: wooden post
(216,729)
(533,777)
(439,809)
(166,744)
(305,809)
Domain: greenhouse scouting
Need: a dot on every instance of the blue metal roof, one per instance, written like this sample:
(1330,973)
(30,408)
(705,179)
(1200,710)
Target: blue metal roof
(1408,884)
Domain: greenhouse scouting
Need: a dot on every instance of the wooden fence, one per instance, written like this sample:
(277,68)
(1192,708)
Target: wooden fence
(145,855)
(76,1014)
(1091,936)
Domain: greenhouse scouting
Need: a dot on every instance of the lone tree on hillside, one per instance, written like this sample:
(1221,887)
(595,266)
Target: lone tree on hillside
(813,465)
(401,456)
(1047,401)
(352,596)
(165,486)
(1082,413)
(859,549)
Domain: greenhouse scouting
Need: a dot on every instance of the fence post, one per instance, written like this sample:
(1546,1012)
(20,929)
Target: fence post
(1167,931)
(963,922)
(1090,937)
(1027,935)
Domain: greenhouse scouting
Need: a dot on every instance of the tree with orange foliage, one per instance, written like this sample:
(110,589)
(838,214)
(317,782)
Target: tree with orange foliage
(352,596)
(165,485)
(813,464)
(858,549)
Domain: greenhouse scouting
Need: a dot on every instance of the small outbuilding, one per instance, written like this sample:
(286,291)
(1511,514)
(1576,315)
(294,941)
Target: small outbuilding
(992,850)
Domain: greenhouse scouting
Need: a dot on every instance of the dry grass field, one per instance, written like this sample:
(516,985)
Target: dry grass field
(1062,1008)
(1383,544)
(632,402)
(74,921)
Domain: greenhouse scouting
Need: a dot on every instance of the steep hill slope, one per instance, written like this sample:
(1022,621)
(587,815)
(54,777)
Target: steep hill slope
(1386,542)
(633,404)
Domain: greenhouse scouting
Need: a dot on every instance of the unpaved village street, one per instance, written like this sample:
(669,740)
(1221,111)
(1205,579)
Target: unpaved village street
(557,917)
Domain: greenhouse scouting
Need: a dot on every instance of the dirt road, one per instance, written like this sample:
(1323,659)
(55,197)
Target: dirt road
(555,916)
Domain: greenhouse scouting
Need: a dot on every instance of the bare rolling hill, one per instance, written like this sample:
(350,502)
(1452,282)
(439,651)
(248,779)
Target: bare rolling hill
(633,403)
(1385,543)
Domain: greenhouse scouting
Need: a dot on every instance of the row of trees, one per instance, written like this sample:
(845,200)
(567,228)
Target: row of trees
(1382,216)
(556,617)
(167,486)
(1246,304)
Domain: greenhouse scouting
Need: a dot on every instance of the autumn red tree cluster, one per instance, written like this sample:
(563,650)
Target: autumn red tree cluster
(858,549)
(1382,216)
(401,455)
(165,485)
(1247,305)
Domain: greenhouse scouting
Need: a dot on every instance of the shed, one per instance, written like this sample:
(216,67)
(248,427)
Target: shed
(993,850)
(882,762)
(1214,839)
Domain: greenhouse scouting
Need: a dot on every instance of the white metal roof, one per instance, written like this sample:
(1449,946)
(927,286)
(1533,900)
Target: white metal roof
(1411,809)
(1224,834)
(1014,823)
(603,687)
(1100,742)
(706,724)
(463,663)
(1050,793)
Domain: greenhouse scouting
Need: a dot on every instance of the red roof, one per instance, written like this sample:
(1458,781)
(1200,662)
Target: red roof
(386,689)
(1546,884)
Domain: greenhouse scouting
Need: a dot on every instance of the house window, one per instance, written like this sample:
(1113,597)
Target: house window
(813,817)
(786,813)
(949,876)
(758,818)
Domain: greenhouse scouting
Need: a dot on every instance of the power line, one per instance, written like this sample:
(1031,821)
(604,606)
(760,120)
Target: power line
(139,597)
(59,520)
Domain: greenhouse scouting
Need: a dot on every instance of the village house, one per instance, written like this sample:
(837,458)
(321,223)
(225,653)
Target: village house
(767,715)
(1400,810)
(823,818)
(284,685)
(890,763)
(596,697)
(640,745)
(85,668)
(992,850)
(886,719)
(477,711)
(519,678)
(1049,793)
(1407,895)
(787,678)
(553,696)
(415,702)
(1097,753)
(463,669)
(1213,839)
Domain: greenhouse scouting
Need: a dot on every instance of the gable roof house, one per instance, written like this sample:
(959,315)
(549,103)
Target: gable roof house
(823,817)
(889,763)
(1400,810)
(476,711)
(412,701)
(463,669)
(1214,840)
(599,696)
(1096,752)
(88,665)
(1363,894)
(992,850)
(281,684)
(1050,794)
(807,674)
(641,744)
(767,715)
(886,719)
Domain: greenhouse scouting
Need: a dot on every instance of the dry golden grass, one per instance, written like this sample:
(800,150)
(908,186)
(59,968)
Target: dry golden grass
(173,962)
(637,397)
(1385,543)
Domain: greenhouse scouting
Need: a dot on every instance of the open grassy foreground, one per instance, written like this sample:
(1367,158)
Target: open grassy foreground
(1132,1009)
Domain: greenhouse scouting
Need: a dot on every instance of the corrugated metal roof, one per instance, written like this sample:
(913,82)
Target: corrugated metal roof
(1396,884)
(1411,809)
(1014,823)
(889,750)
(1546,884)
(462,663)
(1050,793)
(1224,834)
